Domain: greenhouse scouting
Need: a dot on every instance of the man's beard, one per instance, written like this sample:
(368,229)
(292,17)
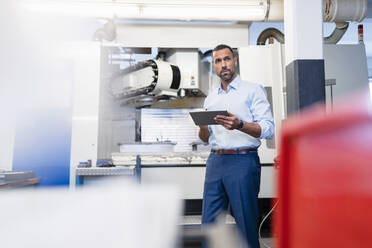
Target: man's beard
(226,76)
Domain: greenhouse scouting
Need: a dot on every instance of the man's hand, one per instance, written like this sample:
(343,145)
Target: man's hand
(204,133)
(230,121)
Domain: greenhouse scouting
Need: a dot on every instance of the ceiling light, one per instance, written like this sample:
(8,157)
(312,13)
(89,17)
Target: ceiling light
(218,10)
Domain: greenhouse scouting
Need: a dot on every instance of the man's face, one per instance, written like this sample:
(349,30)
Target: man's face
(224,64)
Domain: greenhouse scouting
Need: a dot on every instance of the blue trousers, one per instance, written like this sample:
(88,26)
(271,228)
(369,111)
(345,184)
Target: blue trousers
(234,179)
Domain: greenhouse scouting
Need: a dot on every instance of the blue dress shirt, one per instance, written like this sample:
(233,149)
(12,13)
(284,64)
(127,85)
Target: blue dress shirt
(249,103)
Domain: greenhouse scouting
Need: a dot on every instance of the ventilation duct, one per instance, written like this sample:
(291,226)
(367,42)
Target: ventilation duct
(333,38)
(344,10)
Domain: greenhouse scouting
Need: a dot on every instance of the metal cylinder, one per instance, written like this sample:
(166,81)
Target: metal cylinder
(333,10)
(276,10)
(344,10)
(169,78)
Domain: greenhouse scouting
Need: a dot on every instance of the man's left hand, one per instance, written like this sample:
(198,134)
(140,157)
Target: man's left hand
(229,121)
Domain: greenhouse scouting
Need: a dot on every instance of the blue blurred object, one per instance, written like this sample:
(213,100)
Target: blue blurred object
(42,145)
(104,163)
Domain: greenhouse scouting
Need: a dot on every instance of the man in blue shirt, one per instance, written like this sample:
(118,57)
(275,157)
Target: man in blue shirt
(233,168)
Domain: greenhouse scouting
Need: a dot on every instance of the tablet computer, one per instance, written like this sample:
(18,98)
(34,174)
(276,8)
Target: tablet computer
(206,117)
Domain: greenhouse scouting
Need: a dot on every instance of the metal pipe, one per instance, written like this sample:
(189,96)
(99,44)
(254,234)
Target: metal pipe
(337,33)
(335,37)
(277,34)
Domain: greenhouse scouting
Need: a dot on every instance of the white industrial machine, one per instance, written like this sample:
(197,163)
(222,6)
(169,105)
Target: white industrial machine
(121,122)
(154,77)
(181,74)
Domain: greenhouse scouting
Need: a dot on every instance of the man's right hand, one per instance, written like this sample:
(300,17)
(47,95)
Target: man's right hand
(204,133)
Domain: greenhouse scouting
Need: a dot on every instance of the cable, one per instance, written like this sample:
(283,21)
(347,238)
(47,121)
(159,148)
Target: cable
(259,229)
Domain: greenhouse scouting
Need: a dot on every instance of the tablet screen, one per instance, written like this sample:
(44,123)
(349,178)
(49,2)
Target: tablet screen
(206,117)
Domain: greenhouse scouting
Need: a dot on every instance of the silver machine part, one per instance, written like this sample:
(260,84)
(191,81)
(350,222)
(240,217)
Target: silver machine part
(146,77)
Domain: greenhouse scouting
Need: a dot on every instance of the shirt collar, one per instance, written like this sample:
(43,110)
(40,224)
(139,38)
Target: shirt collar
(233,85)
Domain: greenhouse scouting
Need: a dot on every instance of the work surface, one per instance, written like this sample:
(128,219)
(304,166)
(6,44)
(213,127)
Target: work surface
(164,158)
(28,182)
(109,171)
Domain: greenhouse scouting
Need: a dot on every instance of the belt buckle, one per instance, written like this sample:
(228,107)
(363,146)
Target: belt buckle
(244,151)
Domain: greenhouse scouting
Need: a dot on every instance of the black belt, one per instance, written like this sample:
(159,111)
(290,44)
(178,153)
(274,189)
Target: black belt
(234,151)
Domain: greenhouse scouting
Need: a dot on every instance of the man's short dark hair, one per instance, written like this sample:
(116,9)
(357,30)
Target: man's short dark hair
(223,46)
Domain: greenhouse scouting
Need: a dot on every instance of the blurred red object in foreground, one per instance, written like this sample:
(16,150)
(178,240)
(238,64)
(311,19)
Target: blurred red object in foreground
(325,178)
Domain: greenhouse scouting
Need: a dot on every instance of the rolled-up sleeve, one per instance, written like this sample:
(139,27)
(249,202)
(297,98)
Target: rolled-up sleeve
(261,111)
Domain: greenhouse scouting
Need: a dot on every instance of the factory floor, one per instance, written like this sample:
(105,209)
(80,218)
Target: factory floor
(265,242)
(268,241)
(192,221)
(192,239)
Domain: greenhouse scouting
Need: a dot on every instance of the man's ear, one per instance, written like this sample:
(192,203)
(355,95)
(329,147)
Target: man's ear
(213,67)
(236,61)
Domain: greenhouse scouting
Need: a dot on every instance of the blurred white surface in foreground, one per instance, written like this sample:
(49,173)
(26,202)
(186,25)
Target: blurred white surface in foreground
(124,216)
